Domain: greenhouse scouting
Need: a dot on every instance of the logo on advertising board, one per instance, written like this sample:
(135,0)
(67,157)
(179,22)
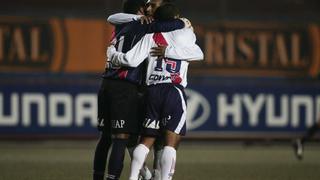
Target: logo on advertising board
(29,45)
(259,49)
(198,111)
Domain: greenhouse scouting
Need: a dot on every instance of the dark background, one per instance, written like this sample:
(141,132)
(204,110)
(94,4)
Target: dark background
(287,10)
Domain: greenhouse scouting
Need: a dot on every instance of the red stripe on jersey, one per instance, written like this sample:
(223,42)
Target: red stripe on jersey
(122,74)
(159,39)
(175,78)
(113,37)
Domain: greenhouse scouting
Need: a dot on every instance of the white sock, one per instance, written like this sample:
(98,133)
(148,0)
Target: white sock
(145,172)
(139,155)
(156,168)
(156,174)
(168,162)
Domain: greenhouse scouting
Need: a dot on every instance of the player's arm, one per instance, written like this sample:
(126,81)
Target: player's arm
(185,48)
(188,53)
(121,18)
(163,26)
(184,53)
(135,56)
(156,26)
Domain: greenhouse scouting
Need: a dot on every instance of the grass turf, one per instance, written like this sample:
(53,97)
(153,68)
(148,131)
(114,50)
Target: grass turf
(67,160)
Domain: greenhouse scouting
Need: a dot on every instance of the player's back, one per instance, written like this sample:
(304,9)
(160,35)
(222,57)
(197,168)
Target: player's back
(126,36)
(170,70)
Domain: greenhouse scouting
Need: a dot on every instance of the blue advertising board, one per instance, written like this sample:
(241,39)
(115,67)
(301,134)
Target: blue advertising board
(50,107)
(217,107)
(244,107)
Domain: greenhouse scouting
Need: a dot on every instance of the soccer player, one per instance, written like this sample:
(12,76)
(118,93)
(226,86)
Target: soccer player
(119,95)
(298,144)
(165,97)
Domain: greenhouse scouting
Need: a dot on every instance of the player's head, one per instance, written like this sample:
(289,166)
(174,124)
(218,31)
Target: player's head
(166,11)
(152,5)
(134,6)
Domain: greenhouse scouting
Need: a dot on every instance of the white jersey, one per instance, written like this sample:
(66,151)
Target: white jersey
(181,49)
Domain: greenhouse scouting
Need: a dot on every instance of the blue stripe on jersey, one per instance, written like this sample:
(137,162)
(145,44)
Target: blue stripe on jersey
(129,34)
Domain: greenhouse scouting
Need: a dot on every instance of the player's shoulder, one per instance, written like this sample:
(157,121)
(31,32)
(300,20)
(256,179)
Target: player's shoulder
(183,31)
(181,35)
(128,27)
(132,24)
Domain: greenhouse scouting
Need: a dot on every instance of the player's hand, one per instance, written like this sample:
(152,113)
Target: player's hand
(109,65)
(187,23)
(146,19)
(158,51)
(110,52)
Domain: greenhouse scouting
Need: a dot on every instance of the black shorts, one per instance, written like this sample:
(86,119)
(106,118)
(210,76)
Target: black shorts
(120,107)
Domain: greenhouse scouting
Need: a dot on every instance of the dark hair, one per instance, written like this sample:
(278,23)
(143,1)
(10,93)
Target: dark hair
(133,6)
(165,12)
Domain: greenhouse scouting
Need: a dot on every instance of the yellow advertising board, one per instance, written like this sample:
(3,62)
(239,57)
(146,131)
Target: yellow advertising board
(53,45)
(74,45)
(259,49)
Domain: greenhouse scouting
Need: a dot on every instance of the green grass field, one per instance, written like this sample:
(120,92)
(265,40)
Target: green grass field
(67,160)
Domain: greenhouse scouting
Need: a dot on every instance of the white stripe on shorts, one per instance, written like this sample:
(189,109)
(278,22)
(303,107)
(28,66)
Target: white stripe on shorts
(184,114)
